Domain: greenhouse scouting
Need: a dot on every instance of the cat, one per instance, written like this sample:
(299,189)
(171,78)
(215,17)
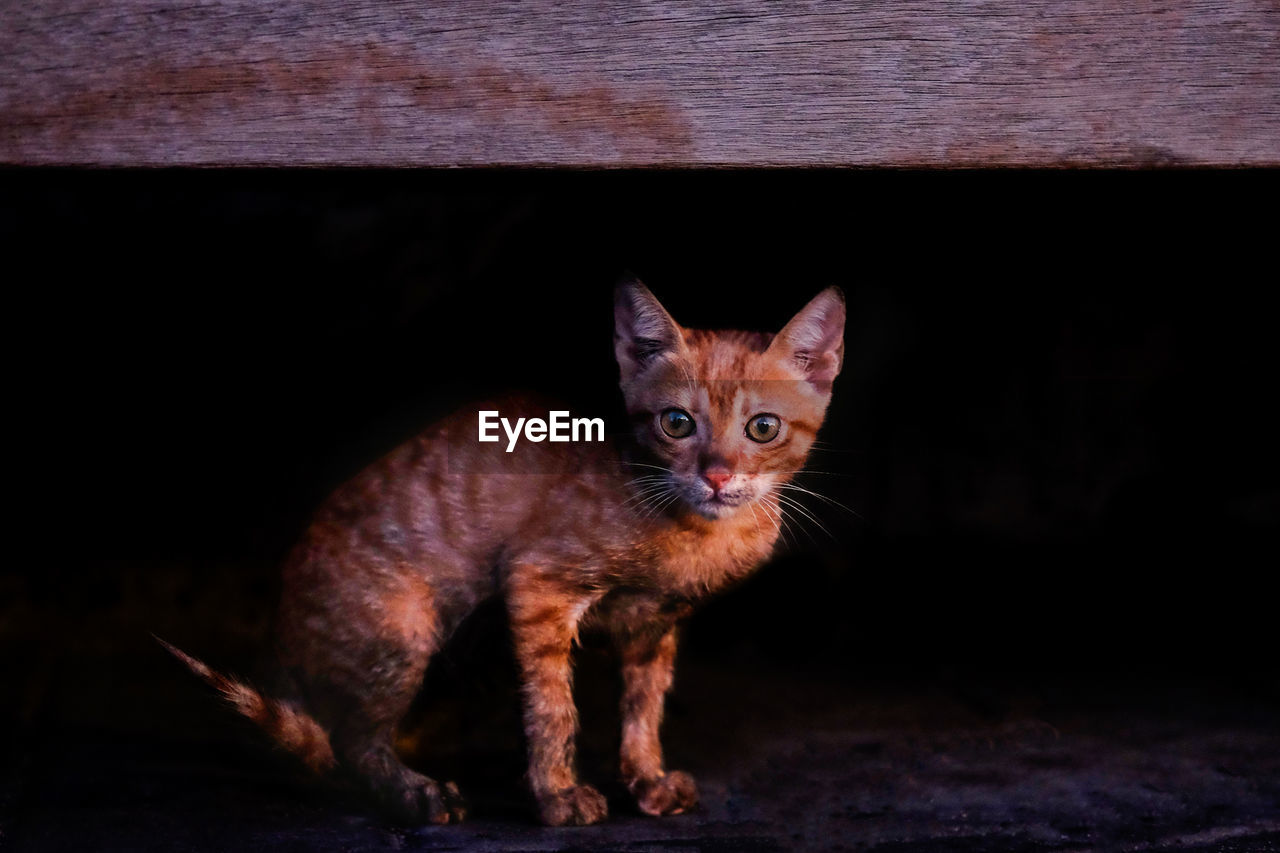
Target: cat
(625,536)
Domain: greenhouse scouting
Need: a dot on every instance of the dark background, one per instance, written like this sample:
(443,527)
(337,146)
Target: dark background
(1055,424)
(1054,437)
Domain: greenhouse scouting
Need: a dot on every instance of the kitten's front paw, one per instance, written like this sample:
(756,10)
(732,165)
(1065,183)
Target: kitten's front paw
(575,806)
(674,793)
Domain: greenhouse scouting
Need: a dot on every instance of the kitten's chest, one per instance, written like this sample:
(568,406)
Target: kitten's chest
(693,562)
(682,567)
(630,611)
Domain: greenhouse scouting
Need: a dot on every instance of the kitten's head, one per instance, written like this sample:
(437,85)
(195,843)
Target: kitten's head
(725,416)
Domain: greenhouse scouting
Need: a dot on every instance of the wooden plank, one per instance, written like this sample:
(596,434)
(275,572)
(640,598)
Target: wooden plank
(748,83)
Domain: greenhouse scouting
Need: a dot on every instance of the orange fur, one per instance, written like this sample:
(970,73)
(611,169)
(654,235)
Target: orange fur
(623,537)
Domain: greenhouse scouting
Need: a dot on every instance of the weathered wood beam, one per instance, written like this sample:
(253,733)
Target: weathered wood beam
(597,84)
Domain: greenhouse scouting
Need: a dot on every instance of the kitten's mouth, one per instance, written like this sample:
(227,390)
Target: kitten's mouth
(719,505)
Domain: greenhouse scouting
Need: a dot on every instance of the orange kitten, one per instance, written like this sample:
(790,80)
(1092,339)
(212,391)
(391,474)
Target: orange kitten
(620,536)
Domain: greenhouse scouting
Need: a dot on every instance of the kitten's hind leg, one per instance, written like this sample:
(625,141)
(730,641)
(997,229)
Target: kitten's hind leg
(399,792)
(361,669)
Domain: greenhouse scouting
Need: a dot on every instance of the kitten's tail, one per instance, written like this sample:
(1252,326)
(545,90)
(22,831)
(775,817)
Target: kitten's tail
(286,723)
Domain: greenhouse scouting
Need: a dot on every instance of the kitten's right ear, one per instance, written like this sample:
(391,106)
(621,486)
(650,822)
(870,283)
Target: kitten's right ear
(814,339)
(643,331)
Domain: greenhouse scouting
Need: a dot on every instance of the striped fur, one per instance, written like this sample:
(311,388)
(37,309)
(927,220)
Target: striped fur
(283,722)
(623,537)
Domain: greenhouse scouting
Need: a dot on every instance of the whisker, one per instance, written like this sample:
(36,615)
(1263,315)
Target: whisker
(646,465)
(655,481)
(655,501)
(790,519)
(809,515)
(823,497)
(647,481)
(755,515)
(775,519)
(823,447)
(645,496)
(775,515)
(789,501)
(653,493)
(801,508)
(690,382)
(804,515)
(659,507)
(647,478)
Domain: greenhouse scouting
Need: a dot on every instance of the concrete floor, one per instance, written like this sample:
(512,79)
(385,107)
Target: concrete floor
(130,754)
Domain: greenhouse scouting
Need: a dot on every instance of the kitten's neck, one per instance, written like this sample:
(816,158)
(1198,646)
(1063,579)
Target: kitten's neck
(702,555)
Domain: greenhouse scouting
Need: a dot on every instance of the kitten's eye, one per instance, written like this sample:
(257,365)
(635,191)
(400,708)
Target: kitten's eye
(763,428)
(677,423)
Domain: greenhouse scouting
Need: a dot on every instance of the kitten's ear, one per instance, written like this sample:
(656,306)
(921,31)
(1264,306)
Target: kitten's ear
(814,339)
(643,331)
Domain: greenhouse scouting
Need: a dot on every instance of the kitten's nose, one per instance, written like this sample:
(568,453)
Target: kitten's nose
(717,476)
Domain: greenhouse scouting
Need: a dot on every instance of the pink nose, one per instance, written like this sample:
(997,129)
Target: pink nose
(717,477)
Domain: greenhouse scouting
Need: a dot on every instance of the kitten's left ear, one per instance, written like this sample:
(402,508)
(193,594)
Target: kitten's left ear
(643,330)
(814,339)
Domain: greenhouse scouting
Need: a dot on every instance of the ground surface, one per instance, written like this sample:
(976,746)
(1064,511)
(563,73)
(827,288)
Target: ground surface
(119,750)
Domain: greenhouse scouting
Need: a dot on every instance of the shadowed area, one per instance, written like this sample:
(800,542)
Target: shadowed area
(122,748)
(1028,613)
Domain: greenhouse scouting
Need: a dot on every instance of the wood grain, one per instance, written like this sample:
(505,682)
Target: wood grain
(748,83)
